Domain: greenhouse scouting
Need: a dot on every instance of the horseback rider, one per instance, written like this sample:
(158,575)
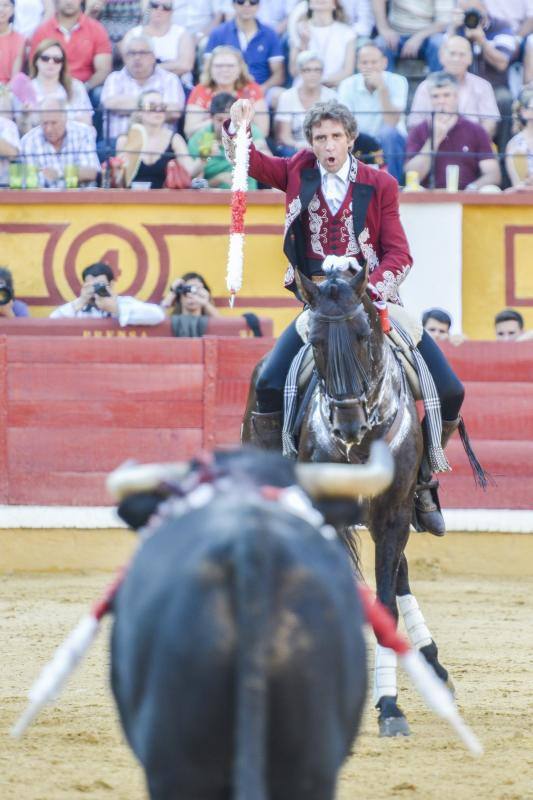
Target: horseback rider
(336,205)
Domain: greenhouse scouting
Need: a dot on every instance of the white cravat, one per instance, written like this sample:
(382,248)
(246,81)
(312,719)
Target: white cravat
(335,185)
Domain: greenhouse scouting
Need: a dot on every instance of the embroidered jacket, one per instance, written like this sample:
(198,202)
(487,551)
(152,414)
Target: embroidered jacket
(372,224)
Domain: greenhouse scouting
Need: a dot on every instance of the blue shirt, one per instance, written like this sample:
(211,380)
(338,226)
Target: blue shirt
(264,45)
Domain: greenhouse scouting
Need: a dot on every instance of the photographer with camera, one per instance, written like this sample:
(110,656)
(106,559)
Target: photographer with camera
(189,299)
(97,299)
(9,306)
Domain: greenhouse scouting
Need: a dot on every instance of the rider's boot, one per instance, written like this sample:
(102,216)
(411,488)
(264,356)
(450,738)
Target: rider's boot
(427,513)
(265,429)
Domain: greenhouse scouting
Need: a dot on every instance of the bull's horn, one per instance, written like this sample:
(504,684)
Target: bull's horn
(349,480)
(131,478)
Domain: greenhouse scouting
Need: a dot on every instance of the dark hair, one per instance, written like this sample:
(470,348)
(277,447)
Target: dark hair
(6,278)
(441,78)
(437,313)
(221,102)
(189,276)
(509,315)
(333,110)
(99,268)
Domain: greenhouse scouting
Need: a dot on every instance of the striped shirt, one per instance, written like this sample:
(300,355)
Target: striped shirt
(78,147)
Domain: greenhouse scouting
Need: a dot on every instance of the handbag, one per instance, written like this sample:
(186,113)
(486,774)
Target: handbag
(177,176)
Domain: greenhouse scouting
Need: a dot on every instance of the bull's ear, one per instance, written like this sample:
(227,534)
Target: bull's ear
(306,287)
(359,281)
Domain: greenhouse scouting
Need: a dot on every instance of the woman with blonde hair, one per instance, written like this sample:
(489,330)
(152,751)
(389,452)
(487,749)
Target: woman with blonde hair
(50,78)
(519,150)
(224,71)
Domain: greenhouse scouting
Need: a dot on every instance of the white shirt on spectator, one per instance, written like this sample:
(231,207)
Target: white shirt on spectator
(290,109)
(28,16)
(366,105)
(78,147)
(513,11)
(272,12)
(330,42)
(9,133)
(130,312)
(121,82)
(359,15)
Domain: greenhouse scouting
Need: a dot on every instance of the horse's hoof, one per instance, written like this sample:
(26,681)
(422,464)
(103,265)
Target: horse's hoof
(393,726)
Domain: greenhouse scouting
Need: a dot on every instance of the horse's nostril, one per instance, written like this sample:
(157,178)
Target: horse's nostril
(337,432)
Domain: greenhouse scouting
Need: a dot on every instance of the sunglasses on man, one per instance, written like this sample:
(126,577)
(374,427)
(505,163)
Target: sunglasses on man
(163,6)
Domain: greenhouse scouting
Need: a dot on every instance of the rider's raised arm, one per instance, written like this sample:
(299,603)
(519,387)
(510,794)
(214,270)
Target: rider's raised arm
(270,170)
(395,258)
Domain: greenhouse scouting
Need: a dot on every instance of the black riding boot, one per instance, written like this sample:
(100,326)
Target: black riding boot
(427,514)
(265,430)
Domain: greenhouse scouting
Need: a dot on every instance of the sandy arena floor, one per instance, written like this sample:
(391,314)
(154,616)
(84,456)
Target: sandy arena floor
(475,591)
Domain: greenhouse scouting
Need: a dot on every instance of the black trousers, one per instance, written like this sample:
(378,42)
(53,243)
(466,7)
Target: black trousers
(271,381)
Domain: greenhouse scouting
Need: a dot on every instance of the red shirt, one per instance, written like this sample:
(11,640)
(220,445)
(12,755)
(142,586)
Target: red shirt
(202,95)
(10,47)
(87,39)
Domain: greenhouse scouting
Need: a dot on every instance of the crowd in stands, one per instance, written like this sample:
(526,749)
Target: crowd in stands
(145,84)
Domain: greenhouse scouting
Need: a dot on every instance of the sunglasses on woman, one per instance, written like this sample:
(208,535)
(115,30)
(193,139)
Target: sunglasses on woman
(162,6)
(55,59)
(155,107)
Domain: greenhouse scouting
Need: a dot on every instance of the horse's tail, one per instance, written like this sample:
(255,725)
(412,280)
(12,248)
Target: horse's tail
(253,584)
(481,477)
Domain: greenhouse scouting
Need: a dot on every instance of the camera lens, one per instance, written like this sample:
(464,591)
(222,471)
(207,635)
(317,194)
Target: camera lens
(6,295)
(472,18)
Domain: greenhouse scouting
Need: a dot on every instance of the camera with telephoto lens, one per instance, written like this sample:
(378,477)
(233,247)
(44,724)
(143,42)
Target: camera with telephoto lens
(101,289)
(472,18)
(6,294)
(184,288)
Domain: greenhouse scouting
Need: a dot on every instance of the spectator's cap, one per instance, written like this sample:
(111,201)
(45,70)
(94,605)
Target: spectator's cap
(437,79)
(509,315)
(221,103)
(306,56)
(439,314)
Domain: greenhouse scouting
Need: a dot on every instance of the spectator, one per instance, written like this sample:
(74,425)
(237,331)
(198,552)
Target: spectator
(224,71)
(141,73)
(509,326)
(98,299)
(360,16)
(275,14)
(206,144)
(378,98)
(57,143)
(322,29)
(451,140)
(493,47)
(11,43)
(477,101)
(518,13)
(519,150)
(84,40)
(412,28)
(9,146)
(174,46)
(295,102)
(118,18)
(201,16)
(437,323)
(29,14)
(10,306)
(150,145)
(50,78)
(260,46)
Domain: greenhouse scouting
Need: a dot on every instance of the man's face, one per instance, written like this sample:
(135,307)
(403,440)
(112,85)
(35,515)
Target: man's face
(247,10)
(437,330)
(331,144)
(140,60)
(218,121)
(6,11)
(69,8)
(444,99)
(508,330)
(54,124)
(456,56)
(370,60)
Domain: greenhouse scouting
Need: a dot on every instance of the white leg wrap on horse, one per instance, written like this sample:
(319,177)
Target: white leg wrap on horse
(417,630)
(385,673)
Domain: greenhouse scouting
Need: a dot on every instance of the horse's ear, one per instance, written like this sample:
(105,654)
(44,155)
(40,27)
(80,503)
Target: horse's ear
(359,282)
(307,289)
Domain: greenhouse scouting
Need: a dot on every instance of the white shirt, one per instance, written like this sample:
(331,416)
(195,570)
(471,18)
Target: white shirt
(290,109)
(335,185)
(366,105)
(130,312)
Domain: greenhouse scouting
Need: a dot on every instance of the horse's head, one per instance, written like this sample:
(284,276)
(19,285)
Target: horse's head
(339,332)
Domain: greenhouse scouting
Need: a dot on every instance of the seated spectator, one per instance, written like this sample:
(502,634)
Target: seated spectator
(59,142)
(29,14)
(10,306)
(412,29)
(98,299)
(9,146)
(509,327)
(275,14)
(295,102)
(174,46)
(206,145)
(360,16)
(141,73)
(260,45)
(437,323)
(322,28)
(84,40)
(493,48)
(477,101)
(377,98)
(452,140)
(150,145)
(11,43)
(50,78)
(190,296)
(118,18)
(224,71)
(519,150)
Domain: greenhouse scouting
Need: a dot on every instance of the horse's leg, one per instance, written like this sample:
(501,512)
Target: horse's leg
(415,624)
(389,549)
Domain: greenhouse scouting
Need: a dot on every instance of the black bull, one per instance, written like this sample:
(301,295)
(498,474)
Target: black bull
(238,658)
